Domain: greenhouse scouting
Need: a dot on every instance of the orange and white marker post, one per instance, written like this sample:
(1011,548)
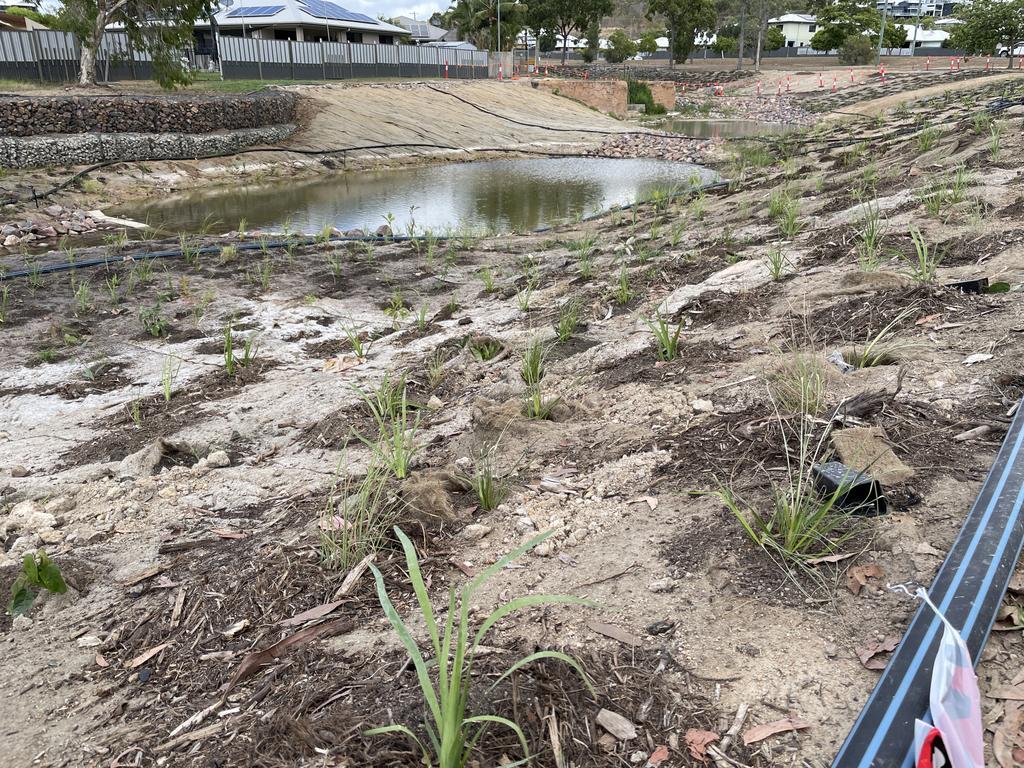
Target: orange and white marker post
(821,83)
(833,83)
(500,74)
(988,63)
(928,63)
(759,89)
(851,74)
(446,69)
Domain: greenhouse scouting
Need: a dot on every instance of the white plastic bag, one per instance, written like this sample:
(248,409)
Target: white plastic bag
(954,703)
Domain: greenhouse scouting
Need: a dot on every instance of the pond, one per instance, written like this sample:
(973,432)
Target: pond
(499,195)
(720,129)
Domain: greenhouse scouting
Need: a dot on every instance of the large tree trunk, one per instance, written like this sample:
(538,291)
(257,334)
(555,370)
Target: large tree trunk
(743,38)
(565,48)
(762,19)
(90,47)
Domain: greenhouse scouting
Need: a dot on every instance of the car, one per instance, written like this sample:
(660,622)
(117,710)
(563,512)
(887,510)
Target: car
(1004,50)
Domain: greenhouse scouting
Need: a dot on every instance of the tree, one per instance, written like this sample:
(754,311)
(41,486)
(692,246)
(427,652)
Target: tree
(724,44)
(477,21)
(589,53)
(989,24)
(684,18)
(161,28)
(841,19)
(856,49)
(620,47)
(774,39)
(567,16)
(894,36)
(648,43)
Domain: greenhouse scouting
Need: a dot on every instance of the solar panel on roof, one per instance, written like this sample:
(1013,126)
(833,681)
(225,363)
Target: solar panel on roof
(327,10)
(258,10)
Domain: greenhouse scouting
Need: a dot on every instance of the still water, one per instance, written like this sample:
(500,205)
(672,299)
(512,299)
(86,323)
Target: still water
(499,195)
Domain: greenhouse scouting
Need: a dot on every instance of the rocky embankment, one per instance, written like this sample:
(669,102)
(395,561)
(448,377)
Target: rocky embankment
(765,109)
(58,222)
(671,147)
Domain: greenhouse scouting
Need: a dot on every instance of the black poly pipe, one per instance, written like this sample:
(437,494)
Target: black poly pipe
(968,589)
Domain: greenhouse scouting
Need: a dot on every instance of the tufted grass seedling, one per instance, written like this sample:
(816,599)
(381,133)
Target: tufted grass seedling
(665,338)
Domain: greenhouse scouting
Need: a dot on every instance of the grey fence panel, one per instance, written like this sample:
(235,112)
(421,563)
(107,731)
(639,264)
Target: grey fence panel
(51,56)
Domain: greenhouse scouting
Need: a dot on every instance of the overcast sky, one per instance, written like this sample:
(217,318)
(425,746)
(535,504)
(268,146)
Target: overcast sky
(390,8)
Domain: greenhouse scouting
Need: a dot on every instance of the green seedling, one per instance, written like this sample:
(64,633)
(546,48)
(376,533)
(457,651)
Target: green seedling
(665,338)
(38,572)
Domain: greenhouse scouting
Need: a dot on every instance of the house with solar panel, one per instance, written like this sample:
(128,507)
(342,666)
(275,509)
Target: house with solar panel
(425,33)
(299,20)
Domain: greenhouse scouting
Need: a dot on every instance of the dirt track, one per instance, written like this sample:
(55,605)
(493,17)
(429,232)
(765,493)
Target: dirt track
(190,527)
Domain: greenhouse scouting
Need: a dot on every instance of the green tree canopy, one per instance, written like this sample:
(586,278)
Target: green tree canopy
(774,39)
(477,21)
(684,19)
(620,47)
(989,24)
(648,42)
(162,28)
(840,20)
(564,17)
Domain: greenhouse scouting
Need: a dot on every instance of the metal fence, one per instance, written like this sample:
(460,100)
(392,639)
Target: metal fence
(50,56)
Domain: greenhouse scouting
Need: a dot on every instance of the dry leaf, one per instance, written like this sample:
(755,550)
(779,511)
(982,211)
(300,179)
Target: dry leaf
(697,742)
(1011,692)
(343,363)
(649,500)
(762,732)
(615,633)
(868,653)
(101,662)
(235,628)
(142,658)
(616,725)
(1006,735)
(926,319)
(858,576)
(658,756)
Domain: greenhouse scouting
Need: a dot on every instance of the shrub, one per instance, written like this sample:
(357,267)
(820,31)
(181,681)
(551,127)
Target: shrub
(640,93)
(856,49)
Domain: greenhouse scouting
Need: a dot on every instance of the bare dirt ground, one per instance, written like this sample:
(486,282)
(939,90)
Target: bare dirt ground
(188,506)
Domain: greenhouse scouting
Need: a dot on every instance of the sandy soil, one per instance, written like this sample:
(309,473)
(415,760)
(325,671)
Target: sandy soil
(189,526)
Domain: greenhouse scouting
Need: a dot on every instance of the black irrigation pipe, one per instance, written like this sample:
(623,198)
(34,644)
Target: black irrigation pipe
(968,589)
(301,241)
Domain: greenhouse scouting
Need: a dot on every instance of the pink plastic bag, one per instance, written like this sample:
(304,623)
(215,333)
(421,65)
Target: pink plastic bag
(954,702)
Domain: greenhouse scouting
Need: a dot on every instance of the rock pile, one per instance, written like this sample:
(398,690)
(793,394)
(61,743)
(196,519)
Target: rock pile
(61,221)
(38,115)
(768,109)
(659,146)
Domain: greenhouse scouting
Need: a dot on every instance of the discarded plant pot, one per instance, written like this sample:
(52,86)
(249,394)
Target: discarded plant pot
(977,285)
(858,492)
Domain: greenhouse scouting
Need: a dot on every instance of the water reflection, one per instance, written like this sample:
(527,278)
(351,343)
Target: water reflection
(504,195)
(720,129)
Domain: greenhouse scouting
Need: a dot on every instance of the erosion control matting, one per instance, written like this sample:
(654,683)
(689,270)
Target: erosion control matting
(968,589)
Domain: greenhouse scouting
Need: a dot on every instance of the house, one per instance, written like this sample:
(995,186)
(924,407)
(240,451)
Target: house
(422,32)
(909,9)
(16,21)
(797,28)
(926,38)
(300,20)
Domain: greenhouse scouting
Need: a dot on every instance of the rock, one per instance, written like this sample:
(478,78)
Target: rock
(702,406)
(11,240)
(525,525)
(355,233)
(21,623)
(89,641)
(60,505)
(542,550)
(384,231)
(19,471)
(218,460)
(475,531)
(53,210)
(50,536)
(661,585)
(143,462)
(28,517)
(867,449)
(24,545)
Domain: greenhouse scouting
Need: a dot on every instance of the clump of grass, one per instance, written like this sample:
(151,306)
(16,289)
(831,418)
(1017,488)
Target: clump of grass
(799,384)
(484,349)
(5,300)
(568,320)
(994,140)
(981,122)
(360,345)
(453,644)
(777,263)
(880,349)
(523,298)
(624,293)
(870,236)
(488,486)
(665,338)
(924,264)
(385,400)
(927,138)
(537,405)
(396,445)
(435,367)
(487,278)
(357,519)
(168,374)
(532,366)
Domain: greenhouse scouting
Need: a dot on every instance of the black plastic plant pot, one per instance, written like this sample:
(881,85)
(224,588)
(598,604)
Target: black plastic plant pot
(858,493)
(977,285)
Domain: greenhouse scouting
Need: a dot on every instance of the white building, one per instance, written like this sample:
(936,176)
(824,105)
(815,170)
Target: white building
(926,38)
(303,20)
(797,28)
